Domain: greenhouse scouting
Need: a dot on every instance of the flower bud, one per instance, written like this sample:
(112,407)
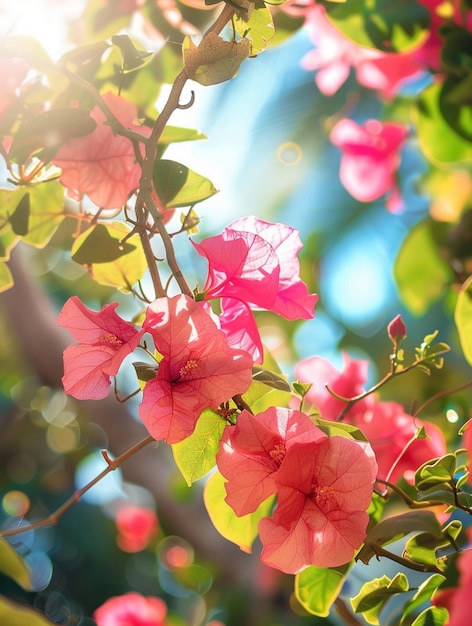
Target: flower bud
(396,330)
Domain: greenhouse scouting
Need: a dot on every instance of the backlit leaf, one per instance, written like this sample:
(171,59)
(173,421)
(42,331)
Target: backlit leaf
(432,616)
(13,566)
(423,594)
(214,60)
(258,27)
(177,186)
(316,588)
(373,595)
(133,58)
(463,318)
(195,455)
(6,279)
(240,530)
(14,614)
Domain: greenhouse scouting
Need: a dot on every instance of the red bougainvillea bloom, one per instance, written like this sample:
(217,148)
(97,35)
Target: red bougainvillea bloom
(198,369)
(370,159)
(323,491)
(136,526)
(335,55)
(252,451)
(105,340)
(102,165)
(131,609)
(319,372)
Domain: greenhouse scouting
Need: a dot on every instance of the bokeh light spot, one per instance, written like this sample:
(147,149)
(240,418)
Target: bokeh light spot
(16,503)
(289,153)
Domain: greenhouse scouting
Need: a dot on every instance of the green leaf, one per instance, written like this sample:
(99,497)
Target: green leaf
(48,131)
(270,378)
(432,616)
(214,60)
(463,318)
(258,27)
(14,614)
(133,59)
(176,134)
(19,219)
(388,25)
(420,274)
(109,261)
(438,141)
(195,455)
(422,547)
(436,472)
(260,397)
(375,594)
(145,371)
(339,429)
(46,212)
(397,527)
(13,566)
(177,186)
(316,588)
(6,279)
(240,530)
(423,594)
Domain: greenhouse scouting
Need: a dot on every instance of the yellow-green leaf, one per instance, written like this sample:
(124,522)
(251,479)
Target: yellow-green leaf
(316,588)
(463,318)
(195,455)
(177,186)
(258,27)
(14,614)
(13,566)
(240,530)
(6,279)
(46,212)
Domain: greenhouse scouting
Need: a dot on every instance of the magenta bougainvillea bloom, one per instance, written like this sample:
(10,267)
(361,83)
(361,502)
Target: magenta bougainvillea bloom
(131,609)
(198,370)
(105,340)
(323,491)
(102,165)
(136,527)
(335,55)
(255,263)
(370,159)
(252,451)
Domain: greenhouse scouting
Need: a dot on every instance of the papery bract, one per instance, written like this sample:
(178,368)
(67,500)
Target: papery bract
(252,451)
(239,326)
(323,491)
(105,340)
(136,526)
(102,165)
(131,609)
(199,370)
(370,159)
(335,54)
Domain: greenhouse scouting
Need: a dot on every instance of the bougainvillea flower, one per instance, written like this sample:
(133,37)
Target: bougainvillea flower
(13,72)
(136,527)
(199,370)
(256,262)
(239,326)
(323,491)
(131,609)
(105,340)
(390,430)
(252,451)
(370,159)
(335,55)
(321,374)
(102,165)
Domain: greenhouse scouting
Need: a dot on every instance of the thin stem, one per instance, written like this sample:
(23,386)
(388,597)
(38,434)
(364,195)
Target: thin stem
(441,394)
(412,504)
(417,567)
(53,518)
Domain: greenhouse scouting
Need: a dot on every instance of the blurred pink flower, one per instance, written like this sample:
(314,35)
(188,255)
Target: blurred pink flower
(199,370)
(252,451)
(370,159)
(131,609)
(136,526)
(323,491)
(105,340)
(13,71)
(335,54)
(102,165)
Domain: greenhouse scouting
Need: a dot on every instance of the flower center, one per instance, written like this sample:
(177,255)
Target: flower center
(322,495)
(188,370)
(111,339)
(277,453)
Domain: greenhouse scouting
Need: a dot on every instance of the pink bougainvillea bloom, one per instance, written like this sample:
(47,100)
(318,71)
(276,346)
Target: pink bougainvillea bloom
(199,370)
(102,165)
(240,328)
(105,340)
(131,609)
(322,374)
(335,55)
(323,491)
(256,262)
(13,72)
(136,527)
(252,451)
(370,159)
